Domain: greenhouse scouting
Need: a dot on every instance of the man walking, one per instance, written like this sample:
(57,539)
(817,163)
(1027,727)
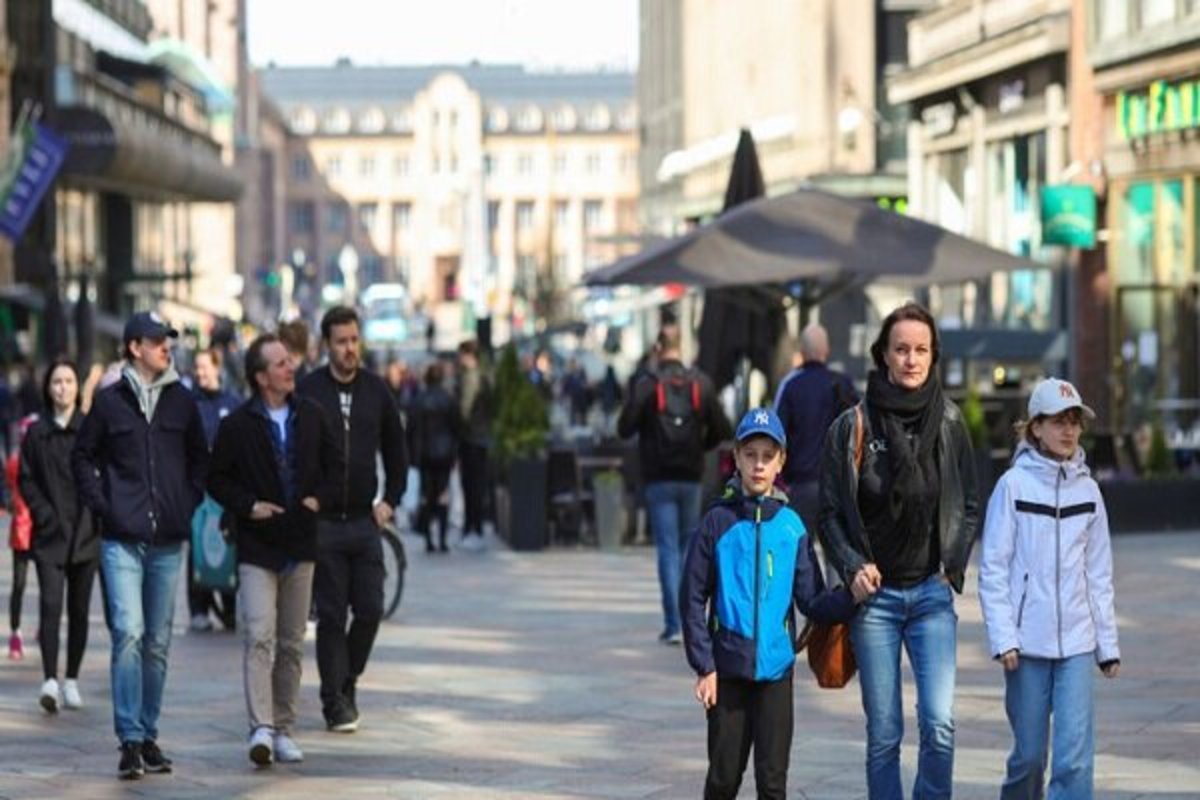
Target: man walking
(674,412)
(268,470)
(807,405)
(349,578)
(475,407)
(139,461)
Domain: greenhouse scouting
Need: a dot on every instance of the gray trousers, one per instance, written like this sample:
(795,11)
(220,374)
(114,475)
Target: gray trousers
(272,610)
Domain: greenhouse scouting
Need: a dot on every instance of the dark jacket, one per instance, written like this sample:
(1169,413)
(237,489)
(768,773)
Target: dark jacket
(214,407)
(143,479)
(64,531)
(374,426)
(841,530)
(808,404)
(747,567)
(435,428)
(246,467)
(639,416)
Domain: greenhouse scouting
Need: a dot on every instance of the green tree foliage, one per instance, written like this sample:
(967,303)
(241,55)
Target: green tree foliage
(972,411)
(522,421)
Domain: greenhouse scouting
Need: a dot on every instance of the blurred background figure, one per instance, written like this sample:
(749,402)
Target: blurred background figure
(434,434)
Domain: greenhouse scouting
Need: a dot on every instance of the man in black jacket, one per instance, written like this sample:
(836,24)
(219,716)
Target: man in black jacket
(268,470)
(349,576)
(675,414)
(139,461)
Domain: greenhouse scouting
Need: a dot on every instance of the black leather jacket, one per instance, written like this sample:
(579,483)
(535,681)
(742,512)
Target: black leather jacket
(841,530)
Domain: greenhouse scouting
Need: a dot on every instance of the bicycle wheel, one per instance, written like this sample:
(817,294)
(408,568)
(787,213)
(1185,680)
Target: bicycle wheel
(394,564)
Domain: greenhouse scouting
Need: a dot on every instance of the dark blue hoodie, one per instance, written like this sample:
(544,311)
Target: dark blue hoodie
(754,562)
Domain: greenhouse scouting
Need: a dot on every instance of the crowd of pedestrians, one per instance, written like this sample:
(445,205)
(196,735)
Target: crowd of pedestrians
(852,509)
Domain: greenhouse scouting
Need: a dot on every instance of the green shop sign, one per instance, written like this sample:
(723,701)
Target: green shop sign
(1160,107)
(1069,216)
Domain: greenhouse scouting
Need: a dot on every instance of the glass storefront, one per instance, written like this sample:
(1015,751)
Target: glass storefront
(1153,225)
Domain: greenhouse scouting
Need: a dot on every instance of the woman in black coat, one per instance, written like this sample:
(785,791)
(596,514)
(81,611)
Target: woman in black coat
(435,428)
(66,544)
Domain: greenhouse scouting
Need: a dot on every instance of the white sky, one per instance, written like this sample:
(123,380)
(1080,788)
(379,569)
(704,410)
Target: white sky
(575,34)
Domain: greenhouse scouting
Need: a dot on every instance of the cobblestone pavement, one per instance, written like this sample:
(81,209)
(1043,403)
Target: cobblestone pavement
(538,676)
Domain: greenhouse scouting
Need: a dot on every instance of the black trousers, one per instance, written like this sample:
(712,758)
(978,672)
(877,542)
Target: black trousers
(349,579)
(472,466)
(434,506)
(77,579)
(749,714)
(16,597)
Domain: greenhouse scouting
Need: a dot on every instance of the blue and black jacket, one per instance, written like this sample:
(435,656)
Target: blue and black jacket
(747,567)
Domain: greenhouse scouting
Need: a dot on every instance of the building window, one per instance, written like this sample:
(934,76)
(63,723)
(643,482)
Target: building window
(524,215)
(453,164)
(561,213)
(593,215)
(372,121)
(403,268)
(437,164)
(560,265)
(402,120)
(564,118)
(367,214)
(1152,13)
(493,215)
(366,166)
(400,166)
(336,121)
(303,121)
(401,215)
(525,164)
(560,163)
(628,163)
(489,164)
(333,166)
(301,217)
(592,163)
(497,120)
(301,168)
(598,118)
(453,115)
(335,222)
(530,119)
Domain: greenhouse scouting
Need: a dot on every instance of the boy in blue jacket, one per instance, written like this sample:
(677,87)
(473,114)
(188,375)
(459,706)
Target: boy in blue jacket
(750,562)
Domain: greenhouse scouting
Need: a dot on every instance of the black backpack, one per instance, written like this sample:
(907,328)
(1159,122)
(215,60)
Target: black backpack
(678,425)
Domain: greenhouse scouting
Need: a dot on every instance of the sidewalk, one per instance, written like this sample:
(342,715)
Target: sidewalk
(538,676)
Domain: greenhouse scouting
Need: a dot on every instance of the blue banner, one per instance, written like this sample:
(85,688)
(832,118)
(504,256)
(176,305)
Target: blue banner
(37,153)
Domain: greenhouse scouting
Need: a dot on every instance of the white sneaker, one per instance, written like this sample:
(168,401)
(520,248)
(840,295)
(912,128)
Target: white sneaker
(286,750)
(70,694)
(50,697)
(201,623)
(261,749)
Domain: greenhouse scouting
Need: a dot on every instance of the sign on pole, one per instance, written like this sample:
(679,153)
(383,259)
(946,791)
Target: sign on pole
(1069,216)
(33,162)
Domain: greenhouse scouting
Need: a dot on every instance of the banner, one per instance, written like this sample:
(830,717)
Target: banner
(1069,216)
(33,162)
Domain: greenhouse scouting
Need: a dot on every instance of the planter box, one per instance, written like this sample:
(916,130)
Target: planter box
(1152,504)
(521,505)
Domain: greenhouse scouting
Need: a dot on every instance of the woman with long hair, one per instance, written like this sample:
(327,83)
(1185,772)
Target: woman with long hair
(899,527)
(66,545)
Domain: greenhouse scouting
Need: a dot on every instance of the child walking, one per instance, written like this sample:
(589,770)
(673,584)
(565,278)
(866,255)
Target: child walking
(750,562)
(1045,584)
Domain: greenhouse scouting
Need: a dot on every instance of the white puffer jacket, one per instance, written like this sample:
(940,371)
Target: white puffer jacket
(1045,577)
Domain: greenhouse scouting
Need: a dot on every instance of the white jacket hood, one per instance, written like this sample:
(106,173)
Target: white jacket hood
(1045,575)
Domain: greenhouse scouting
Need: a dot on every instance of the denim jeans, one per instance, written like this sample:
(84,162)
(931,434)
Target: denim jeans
(922,618)
(140,580)
(673,509)
(1038,689)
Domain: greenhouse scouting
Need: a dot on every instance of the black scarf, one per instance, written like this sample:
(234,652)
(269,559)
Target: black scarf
(911,422)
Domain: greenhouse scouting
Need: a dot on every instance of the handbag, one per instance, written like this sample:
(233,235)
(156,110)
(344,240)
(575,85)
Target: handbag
(830,655)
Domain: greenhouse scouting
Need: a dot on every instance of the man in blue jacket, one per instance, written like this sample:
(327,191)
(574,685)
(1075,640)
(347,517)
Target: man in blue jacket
(139,461)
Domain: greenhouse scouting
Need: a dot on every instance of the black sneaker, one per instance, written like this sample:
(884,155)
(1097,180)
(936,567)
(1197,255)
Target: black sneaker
(351,700)
(131,767)
(340,719)
(154,758)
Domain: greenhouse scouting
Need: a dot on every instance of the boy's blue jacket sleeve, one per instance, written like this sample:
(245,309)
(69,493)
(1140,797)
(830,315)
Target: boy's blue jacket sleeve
(815,601)
(696,589)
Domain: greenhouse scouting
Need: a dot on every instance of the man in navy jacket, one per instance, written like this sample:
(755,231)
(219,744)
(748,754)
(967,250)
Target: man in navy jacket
(139,461)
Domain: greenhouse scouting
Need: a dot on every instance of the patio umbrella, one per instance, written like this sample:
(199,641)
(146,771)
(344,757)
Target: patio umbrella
(739,324)
(810,233)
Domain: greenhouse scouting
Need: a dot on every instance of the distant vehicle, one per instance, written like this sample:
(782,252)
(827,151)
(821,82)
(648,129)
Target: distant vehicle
(387,311)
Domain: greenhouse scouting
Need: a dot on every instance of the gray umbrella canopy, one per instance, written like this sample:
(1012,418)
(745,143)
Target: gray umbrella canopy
(810,233)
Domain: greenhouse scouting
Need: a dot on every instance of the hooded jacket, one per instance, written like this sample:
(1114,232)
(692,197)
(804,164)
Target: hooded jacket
(749,564)
(1045,575)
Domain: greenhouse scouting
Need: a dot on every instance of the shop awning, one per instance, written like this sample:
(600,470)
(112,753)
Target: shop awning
(191,67)
(810,234)
(1002,344)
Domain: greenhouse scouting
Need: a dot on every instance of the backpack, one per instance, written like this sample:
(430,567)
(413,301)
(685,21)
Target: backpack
(678,429)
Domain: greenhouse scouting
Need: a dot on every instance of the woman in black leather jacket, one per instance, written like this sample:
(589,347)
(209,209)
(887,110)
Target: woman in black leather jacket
(899,528)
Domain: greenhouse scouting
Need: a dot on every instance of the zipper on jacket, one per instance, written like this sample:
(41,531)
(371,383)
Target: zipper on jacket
(345,450)
(1058,556)
(757,560)
(1024,594)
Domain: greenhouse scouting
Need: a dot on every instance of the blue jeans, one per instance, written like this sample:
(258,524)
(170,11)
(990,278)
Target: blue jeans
(673,509)
(921,617)
(1040,688)
(140,581)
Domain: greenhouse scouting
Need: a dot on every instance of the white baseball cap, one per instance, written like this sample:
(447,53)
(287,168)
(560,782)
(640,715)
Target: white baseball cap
(1054,396)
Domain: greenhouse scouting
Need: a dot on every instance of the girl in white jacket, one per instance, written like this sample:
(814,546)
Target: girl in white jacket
(1045,583)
